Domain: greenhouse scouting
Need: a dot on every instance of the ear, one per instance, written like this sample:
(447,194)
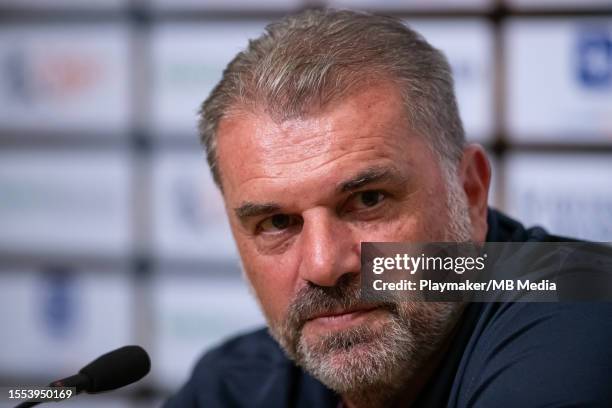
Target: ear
(475,176)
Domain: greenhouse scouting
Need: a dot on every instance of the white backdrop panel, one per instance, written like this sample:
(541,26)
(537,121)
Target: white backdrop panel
(188,60)
(70,77)
(468,45)
(192,313)
(568,194)
(559,80)
(57,319)
(226,5)
(189,216)
(396,5)
(62,202)
(554,4)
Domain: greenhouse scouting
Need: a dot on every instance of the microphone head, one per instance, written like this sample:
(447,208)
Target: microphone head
(117,369)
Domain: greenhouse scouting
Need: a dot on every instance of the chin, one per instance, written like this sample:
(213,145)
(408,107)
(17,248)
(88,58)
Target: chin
(354,355)
(358,358)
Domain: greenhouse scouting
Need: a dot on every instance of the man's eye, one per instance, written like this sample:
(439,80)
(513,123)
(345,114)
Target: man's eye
(277,223)
(368,199)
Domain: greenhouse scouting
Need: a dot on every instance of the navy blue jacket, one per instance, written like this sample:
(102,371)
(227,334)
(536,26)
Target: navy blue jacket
(502,355)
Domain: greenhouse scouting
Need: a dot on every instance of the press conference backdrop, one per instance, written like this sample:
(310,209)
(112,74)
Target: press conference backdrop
(111,229)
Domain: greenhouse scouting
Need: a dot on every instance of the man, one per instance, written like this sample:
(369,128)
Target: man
(336,128)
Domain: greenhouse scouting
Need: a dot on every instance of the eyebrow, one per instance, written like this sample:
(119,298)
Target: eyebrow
(368,176)
(375,174)
(249,209)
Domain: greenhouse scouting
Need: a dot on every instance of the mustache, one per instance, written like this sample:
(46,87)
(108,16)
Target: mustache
(314,300)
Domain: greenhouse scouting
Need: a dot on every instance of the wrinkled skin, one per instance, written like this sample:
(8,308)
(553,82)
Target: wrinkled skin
(301,196)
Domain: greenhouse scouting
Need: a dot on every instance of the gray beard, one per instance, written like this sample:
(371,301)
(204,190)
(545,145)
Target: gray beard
(366,363)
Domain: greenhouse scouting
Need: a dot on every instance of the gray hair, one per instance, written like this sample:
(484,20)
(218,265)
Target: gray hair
(304,61)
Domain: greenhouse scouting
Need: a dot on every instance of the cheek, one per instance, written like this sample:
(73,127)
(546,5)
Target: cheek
(273,280)
(415,228)
(428,219)
(412,226)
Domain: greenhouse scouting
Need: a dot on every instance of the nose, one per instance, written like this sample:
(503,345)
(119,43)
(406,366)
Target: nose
(329,248)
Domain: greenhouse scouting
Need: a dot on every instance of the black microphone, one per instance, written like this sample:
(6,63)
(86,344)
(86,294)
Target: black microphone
(110,371)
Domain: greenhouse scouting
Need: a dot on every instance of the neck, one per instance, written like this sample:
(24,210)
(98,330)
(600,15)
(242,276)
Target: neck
(381,396)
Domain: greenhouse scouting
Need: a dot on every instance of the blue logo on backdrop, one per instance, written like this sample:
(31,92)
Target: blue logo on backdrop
(15,70)
(188,207)
(58,301)
(594,57)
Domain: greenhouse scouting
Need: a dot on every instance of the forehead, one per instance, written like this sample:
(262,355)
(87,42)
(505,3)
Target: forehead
(368,128)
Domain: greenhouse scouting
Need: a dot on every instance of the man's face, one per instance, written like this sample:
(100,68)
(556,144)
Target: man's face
(303,194)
